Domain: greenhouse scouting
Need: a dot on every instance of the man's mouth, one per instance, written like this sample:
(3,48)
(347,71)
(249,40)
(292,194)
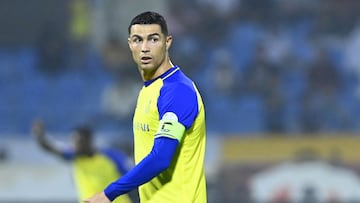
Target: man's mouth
(146,59)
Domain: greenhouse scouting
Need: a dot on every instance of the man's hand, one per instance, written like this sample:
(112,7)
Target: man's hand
(38,130)
(98,198)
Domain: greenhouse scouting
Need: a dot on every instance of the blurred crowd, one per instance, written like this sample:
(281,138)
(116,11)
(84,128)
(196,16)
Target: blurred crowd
(274,66)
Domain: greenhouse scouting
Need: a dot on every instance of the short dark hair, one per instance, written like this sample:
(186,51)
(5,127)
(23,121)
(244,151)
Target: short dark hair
(148,18)
(84,131)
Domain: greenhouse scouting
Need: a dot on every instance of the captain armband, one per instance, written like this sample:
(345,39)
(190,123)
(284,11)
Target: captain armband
(170,128)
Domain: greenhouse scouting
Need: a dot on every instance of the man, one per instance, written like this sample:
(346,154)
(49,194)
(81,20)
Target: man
(168,124)
(93,169)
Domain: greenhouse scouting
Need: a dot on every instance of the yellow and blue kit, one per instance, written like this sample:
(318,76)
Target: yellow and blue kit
(169,138)
(93,173)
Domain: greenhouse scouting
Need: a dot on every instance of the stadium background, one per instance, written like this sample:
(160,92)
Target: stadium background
(280,81)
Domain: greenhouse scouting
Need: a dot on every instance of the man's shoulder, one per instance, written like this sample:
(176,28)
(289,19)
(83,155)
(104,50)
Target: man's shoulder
(178,82)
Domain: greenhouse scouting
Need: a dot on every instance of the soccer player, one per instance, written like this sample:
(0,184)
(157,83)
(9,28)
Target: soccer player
(93,169)
(168,124)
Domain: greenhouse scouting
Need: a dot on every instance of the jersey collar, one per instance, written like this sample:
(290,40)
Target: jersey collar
(163,76)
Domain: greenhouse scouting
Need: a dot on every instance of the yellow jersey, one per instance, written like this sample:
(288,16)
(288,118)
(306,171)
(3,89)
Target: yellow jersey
(92,174)
(184,181)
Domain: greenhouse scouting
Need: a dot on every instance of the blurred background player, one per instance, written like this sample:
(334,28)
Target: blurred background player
(93,168)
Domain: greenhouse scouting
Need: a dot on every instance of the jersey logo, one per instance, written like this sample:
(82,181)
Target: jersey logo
(145,127)
(170,116)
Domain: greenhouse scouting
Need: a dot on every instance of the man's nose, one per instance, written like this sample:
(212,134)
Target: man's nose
(145,47)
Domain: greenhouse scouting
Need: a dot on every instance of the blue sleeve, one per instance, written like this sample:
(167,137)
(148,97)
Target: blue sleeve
(119,158)
(158,160)
(68,154)
(181,99)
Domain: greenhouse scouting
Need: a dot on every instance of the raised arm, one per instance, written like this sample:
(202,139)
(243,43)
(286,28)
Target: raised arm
(38,132)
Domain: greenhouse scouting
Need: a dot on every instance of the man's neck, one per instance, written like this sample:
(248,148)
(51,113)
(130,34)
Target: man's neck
(159,71)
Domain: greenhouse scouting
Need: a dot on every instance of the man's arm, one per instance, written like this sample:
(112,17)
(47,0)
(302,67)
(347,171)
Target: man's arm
(39,134)
(158,160)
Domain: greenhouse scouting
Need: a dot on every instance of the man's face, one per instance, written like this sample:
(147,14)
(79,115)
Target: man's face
(149,47)
(81,143)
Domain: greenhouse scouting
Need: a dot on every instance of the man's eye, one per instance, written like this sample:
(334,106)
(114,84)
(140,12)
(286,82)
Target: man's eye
(136,40)
(154,39)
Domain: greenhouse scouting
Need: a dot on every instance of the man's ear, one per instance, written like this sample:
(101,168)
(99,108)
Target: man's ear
(168,41)
(129,43)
